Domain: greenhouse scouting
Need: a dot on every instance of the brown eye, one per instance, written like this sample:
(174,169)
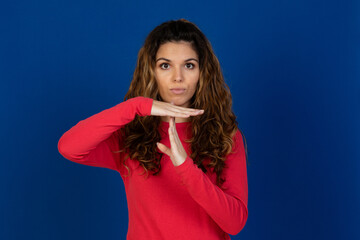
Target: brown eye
(190,65)
(164,65)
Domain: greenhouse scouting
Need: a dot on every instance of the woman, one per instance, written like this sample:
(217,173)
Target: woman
(176,125)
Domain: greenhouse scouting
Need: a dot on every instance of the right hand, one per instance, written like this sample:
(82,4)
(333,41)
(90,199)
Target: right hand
(160,108)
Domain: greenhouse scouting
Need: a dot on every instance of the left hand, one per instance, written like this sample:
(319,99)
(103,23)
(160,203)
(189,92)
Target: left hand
(177,152)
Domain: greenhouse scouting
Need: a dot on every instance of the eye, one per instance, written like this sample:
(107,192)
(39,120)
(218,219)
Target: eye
(164,65)
(190,65)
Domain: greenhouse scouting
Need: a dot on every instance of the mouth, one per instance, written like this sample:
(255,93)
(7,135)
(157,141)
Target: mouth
(177,90)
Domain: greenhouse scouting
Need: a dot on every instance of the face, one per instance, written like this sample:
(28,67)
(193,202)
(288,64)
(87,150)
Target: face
(177,72)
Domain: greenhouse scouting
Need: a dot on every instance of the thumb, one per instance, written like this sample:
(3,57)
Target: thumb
(163,148)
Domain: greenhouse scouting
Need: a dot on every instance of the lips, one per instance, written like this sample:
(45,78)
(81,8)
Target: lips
(177,90)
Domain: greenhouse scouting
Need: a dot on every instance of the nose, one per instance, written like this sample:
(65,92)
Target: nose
(178,74)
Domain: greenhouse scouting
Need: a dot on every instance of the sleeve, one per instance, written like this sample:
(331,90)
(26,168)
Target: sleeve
(228,208)
(91,141)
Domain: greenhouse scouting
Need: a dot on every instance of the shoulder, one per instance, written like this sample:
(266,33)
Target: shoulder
(238,141)
(237,155)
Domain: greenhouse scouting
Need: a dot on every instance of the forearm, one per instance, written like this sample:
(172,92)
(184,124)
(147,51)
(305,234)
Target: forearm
(87,134)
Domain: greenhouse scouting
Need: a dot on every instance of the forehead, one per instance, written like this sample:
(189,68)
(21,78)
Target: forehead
(176,49)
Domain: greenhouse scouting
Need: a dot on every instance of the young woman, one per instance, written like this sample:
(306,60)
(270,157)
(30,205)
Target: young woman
(174,140)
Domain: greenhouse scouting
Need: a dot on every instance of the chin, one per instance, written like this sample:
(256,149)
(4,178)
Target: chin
(177,101)
(182,103)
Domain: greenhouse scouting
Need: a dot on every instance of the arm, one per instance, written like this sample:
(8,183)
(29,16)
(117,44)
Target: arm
(228,208)
(91,141)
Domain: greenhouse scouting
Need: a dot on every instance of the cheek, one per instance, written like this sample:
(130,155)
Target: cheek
(158,80)
(194,82)
(193,88)
(160,86)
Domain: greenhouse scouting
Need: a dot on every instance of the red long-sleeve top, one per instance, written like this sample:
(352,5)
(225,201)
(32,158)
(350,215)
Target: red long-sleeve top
(182,202)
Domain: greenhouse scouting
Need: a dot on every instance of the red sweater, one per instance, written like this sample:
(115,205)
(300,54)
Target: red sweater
(181,202)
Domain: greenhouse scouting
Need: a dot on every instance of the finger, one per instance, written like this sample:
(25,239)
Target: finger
(170,111)
(164,149)
(171,128)
(173,135)
(182,113)
(166,112)
(177,149)
(171,122)
(186,111)
(160,108)
(173,114)
(183,109)
(173,106)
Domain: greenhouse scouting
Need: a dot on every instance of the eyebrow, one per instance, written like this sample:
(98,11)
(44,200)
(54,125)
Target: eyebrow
(189,59)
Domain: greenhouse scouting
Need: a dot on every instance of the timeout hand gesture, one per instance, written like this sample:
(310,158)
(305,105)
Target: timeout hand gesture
(167,109)
(176,152)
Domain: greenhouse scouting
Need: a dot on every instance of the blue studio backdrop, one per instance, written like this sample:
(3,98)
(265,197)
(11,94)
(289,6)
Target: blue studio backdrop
(293,70)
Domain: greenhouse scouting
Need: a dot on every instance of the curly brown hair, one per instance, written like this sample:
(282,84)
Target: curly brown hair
(212,131)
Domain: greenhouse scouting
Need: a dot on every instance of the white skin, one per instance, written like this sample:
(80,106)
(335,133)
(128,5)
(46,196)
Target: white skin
(177,66)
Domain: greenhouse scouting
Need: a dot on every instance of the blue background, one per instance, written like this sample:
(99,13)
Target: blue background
(293,70)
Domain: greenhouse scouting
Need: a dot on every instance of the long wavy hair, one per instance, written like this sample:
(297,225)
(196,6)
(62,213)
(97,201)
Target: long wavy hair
(212,131)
